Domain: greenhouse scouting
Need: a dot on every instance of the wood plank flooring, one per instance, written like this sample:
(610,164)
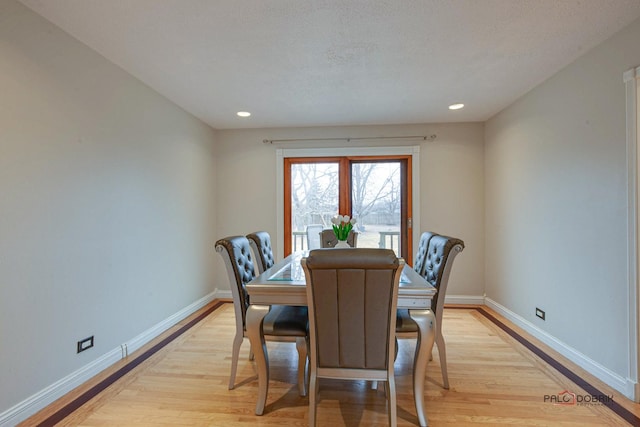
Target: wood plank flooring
(495,381)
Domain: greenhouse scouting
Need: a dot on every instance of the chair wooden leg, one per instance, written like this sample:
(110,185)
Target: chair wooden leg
(309,364)
(393,410)
(395,355)
(443,359)
(237,343)
(301,346)
(313,395)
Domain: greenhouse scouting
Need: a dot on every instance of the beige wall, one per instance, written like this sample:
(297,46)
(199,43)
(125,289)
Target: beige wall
(451,184)
(112,197)
(107,205)
(556,205)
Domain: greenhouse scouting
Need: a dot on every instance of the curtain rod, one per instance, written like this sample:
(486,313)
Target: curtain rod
(348,139)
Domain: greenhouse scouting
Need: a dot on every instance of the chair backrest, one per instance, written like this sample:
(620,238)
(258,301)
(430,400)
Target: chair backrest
(441,252)
(236,253)
(352,299)
(313,236)
(328,238)
(260,242)
(421,254)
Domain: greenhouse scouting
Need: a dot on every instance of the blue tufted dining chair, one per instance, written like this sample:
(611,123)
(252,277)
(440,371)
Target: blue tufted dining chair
(421,254)
(260,242)
(282,323)
(438,260)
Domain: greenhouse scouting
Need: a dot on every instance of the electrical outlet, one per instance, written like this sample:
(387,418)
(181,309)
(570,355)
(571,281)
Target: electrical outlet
(85,344)
(540,313)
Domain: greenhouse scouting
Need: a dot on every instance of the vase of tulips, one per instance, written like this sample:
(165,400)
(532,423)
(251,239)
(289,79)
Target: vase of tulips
(342,225)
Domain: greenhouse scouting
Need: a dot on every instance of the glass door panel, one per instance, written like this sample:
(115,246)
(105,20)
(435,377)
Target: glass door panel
(314,201)
(373,189)
(376,203)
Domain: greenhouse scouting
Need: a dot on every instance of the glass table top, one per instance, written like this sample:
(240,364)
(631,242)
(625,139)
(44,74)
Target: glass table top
(293,272)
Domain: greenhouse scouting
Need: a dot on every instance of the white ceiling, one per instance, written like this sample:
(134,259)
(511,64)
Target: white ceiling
(340,62)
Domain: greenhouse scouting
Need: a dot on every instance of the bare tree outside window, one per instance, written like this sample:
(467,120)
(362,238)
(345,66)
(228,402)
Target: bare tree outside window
(375,189)
(314,198)
(375,198)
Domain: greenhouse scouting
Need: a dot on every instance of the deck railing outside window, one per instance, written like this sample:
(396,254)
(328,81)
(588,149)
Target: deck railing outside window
(387,240)
(299,241)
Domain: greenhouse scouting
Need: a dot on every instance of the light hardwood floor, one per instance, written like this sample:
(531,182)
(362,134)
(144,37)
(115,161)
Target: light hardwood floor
(494,380)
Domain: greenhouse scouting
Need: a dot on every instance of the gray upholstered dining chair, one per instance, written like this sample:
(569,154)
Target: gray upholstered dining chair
(260,242)
(438,260)
(328,238)
(282,323)
(352,296)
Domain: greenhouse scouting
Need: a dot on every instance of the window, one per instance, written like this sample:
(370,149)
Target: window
(376,189)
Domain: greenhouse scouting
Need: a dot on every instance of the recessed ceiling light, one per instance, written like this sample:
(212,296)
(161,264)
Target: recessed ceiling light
(243,113)
(455,106)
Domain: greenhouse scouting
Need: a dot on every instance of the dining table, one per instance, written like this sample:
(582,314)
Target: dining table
(284,284)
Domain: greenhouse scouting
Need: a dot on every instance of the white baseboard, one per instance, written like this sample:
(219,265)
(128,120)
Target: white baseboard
(623,385)
(137,342)
(464,299)
(226,294)
(48,395)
